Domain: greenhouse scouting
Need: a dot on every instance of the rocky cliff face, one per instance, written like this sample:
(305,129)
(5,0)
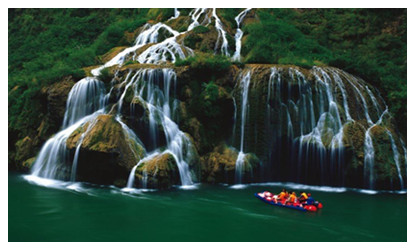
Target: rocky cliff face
(54,97)
(300,125)
(141,121)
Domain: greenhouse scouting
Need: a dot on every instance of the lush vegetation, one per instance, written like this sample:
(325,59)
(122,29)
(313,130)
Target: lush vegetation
(370,43)
(46,45)
(206,64)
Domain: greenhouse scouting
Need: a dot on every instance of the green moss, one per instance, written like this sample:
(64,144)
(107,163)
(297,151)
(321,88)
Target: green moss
(160,14)
(27,165)
(192,40)
(206,63)
(200,29)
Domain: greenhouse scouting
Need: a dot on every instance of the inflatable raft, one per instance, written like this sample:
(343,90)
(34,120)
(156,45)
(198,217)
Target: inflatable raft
(269,198)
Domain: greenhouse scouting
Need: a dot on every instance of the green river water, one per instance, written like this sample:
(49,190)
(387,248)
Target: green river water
(209,213)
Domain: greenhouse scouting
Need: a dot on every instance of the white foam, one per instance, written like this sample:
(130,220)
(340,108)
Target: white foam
(43,181)
(299,186)
(56,184)
(189,187)
(239,186)
(365,191)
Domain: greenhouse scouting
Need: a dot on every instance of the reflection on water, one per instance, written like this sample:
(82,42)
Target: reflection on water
(64,211)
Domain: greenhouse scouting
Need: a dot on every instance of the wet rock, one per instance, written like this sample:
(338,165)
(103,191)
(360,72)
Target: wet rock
(219,166)
(160,172)
(25,150)
(107,153)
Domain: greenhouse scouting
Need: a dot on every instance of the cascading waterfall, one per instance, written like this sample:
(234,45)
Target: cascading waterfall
(152,86)
(369,159)
(238,36)
(244,84)
(305,120)
(221,35)
(86,96)
(396,158)
(157,53)
(195,15)
(176,14)
(78,147)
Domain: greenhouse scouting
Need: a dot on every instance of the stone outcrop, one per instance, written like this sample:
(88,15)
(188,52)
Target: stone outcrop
(219,165)
(106,154)
(160,172)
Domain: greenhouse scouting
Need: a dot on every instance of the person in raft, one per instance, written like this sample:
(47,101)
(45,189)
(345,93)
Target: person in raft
(303,197)
(291,199)
(281,196)
(310,200)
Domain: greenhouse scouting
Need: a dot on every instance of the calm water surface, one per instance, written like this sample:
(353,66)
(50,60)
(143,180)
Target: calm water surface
(208,213)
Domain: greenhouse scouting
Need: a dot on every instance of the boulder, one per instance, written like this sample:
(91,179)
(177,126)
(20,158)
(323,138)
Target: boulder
(159,172)
(107,153)
(219,166)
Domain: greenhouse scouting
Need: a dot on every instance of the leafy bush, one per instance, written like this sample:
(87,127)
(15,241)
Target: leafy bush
(272,39)
(207,63)
(209,97)
(192,39)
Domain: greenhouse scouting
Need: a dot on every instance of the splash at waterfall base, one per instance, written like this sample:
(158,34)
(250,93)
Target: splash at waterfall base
(301,125)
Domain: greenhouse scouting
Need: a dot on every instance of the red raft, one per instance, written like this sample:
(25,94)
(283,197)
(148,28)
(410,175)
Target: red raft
(270,198)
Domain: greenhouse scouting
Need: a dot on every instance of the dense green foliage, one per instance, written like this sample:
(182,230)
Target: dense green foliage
(46,45)
(370,43)
(208,64)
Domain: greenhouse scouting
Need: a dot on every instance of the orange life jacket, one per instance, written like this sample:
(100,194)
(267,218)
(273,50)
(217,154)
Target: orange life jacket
(282,195)
(292,198)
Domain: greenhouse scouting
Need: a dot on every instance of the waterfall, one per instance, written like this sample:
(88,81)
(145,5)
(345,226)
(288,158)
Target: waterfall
(396,158)
(85,97)
(53,159)
(195,15)
(404,149)
(85,102)
(156,54)
(238,36)
(244,84)
(176,14)
(78,146)
(221,35)
(369,159)
(305,120)
(341,86)
(363,100)
(131,177)
(152,86)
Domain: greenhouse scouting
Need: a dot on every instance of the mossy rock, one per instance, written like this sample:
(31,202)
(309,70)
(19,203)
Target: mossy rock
(386,172)
(24,151)
(111,54)
(162,172)
(106,152)
(219,166)
(27,165)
